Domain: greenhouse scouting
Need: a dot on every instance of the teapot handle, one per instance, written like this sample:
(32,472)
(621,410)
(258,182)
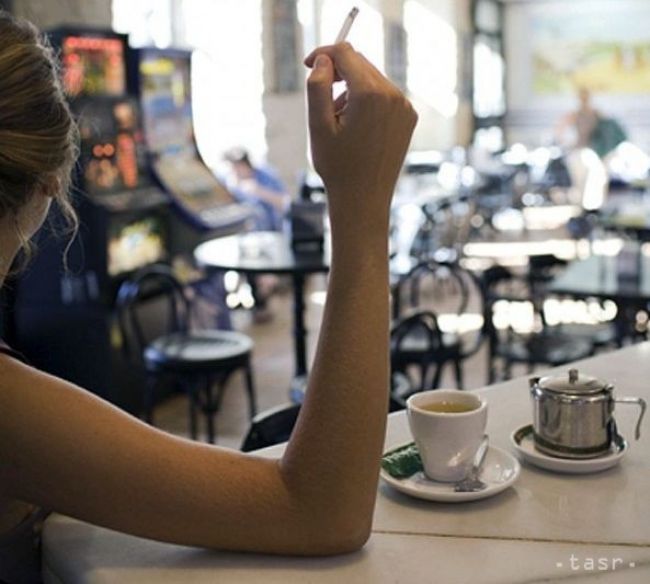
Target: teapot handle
(635,401)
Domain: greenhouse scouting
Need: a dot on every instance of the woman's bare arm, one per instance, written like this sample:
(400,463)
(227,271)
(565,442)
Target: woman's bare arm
(66,449)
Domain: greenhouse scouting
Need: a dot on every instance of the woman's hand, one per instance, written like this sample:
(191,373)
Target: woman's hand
(358,141)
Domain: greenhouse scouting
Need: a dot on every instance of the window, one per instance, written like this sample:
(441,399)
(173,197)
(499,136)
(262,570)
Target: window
(488,82)
(227,65)
(367,34)
(489,77)
(228,75)
(432,58)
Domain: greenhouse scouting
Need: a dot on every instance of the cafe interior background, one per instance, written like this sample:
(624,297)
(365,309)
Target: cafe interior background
(498,200)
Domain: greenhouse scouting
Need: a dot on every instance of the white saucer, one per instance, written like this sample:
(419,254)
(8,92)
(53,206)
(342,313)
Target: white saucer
(522,439)
(500,470)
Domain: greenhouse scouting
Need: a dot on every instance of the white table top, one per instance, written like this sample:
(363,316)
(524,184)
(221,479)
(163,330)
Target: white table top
(548,526)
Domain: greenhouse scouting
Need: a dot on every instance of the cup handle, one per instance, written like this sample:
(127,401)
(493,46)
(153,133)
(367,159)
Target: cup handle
(638,402)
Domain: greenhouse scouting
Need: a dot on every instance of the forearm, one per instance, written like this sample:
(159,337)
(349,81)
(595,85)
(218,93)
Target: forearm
(358,145)
(333,458)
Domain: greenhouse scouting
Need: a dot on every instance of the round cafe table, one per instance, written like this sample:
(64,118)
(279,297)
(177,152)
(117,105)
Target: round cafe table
(267,252)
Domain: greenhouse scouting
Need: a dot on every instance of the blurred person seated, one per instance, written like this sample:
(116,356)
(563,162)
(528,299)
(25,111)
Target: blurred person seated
(258,186)
(262,189)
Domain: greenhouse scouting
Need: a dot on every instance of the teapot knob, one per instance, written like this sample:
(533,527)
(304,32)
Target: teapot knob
(573,375)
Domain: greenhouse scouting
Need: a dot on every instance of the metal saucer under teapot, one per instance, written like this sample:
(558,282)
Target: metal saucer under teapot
(573,415)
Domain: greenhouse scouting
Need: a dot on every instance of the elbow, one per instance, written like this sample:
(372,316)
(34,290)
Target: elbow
(350,538)
(327,521)
(332,537)
(354,540)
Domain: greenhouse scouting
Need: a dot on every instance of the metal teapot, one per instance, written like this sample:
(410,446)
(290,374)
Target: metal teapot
(573,415)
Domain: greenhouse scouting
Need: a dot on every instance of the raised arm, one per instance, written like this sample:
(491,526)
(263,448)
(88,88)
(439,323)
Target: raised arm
(358,146)
(66,449)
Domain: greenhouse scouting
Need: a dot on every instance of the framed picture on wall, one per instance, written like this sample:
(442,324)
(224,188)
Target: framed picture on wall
(605,49)
(556,49)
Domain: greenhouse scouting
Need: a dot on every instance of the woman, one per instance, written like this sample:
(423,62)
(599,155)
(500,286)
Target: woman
(64,449)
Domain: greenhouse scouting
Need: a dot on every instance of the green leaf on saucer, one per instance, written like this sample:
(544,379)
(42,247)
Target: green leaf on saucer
(402,462)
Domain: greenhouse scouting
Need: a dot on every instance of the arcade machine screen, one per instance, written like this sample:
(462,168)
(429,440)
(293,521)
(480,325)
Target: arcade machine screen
(113,160)
(136,243)
(93,66)
(113,154)
(165,92)
(167,104)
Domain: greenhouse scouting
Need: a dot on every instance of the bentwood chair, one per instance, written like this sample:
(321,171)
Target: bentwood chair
(416,343)
(431,293)
(544,345)
(198,361)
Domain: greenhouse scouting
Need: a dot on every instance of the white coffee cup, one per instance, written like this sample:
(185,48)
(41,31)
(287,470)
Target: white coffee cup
(447,441)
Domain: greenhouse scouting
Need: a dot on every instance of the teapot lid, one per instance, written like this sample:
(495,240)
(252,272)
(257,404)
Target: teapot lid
(573,382)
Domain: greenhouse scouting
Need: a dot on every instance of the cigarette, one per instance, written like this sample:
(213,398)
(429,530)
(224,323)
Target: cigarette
(347,25)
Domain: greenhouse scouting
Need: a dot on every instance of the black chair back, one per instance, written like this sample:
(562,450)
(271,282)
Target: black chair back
(271,427)
(172,311)
(444,289)
(446,227)
(445,281)
(416,340)
(500,283)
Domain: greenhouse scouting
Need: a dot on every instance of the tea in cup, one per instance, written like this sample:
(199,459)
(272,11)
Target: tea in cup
(447,426)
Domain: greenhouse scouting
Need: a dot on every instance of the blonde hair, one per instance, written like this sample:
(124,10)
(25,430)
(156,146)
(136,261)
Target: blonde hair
(38,136)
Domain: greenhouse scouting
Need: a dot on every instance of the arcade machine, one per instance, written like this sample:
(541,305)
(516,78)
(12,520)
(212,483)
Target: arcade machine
(162,80)
(64,318)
